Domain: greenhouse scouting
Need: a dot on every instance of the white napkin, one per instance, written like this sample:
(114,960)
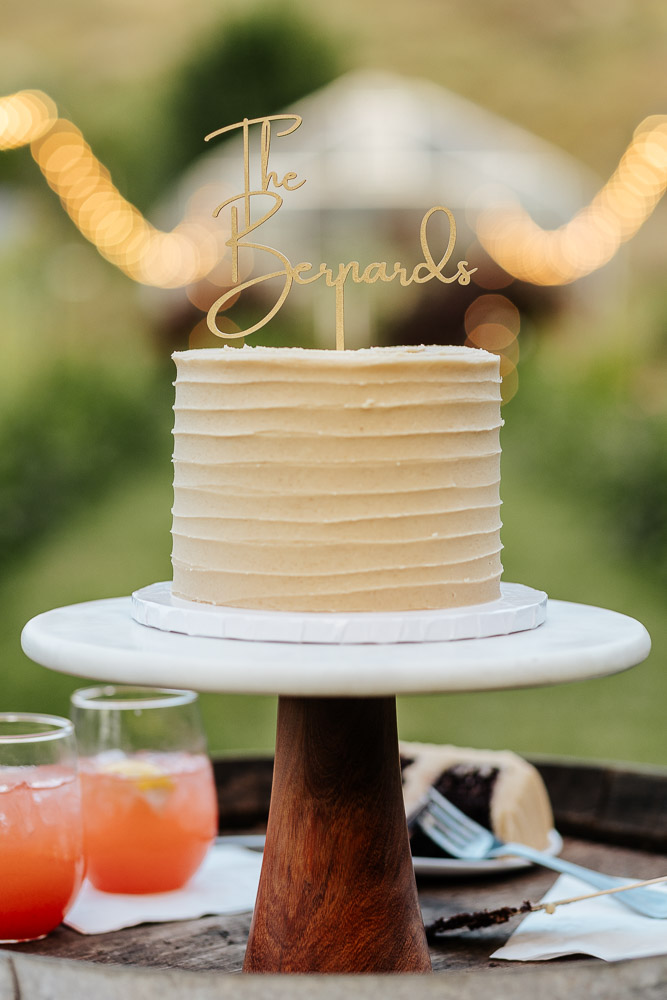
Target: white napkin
(602,927)
(226,883)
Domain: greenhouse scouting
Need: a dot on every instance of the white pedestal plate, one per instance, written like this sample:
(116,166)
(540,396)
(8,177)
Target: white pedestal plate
(337,892)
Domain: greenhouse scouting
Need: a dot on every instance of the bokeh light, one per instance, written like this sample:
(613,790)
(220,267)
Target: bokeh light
(187,254)
(492,322)
(116,228)
(24,117)
(557,257)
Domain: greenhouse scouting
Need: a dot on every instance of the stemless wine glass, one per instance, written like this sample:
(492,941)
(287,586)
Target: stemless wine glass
(41,842)
(149,801)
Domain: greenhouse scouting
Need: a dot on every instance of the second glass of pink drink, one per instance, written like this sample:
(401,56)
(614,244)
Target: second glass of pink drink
(149,801)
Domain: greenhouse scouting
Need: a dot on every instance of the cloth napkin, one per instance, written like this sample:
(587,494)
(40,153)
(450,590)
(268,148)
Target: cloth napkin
(602,927)
(226,883)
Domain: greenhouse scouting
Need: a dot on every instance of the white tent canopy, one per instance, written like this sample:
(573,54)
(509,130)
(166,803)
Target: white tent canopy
(380,141)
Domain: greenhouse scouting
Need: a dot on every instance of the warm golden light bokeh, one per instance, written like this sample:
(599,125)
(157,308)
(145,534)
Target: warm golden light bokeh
(119,231)
(24,117)
(492,322)
(592,237)
(189,252)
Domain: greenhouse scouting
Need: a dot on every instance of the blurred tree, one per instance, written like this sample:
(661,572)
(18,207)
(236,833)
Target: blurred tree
(77,431)
(614,451)
(16,166)
(257,64)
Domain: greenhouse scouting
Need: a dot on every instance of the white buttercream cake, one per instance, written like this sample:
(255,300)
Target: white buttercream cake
(310,480)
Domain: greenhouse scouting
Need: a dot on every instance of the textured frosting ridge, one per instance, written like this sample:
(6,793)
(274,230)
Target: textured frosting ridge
(312,480)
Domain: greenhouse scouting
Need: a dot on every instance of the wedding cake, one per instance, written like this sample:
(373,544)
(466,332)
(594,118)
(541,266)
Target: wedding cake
(311,480)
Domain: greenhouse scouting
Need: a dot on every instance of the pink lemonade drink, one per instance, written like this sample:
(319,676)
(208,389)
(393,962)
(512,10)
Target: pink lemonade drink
(41,849)
(149,818)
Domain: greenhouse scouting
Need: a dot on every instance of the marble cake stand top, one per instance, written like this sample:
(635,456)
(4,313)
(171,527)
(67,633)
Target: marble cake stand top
(100,640)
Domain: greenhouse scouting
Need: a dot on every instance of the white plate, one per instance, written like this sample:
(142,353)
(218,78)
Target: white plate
(433,866)
(495,866)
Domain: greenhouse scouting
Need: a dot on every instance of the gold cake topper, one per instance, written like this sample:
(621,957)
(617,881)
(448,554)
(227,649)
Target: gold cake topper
(299,274)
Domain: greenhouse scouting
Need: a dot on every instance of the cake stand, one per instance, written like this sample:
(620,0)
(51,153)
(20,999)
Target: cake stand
(337,892)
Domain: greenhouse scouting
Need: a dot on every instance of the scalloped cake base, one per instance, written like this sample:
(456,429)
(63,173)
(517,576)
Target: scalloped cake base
(519,608)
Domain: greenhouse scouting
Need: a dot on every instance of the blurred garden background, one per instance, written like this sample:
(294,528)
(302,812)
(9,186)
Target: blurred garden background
(85,339)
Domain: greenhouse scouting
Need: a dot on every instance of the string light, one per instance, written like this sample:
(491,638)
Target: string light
(189,252)
(24,117)
(592,237)
(120,232)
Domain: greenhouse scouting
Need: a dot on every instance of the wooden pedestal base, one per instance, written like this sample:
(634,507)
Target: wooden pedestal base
(337,892)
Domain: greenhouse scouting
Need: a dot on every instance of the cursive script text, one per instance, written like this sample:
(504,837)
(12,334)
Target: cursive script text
(305,273)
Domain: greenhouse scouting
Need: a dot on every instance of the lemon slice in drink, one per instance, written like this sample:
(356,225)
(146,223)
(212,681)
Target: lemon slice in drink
(142,773)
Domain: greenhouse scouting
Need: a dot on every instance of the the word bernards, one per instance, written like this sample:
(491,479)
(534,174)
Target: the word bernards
(304,273)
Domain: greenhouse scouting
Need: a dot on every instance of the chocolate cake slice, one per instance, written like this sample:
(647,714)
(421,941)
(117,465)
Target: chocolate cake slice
(497,788)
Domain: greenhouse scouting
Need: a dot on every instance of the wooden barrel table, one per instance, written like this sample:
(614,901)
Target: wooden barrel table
(612,817)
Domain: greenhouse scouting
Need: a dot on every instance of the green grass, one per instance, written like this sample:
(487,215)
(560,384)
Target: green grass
(114,547)
(555,543)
